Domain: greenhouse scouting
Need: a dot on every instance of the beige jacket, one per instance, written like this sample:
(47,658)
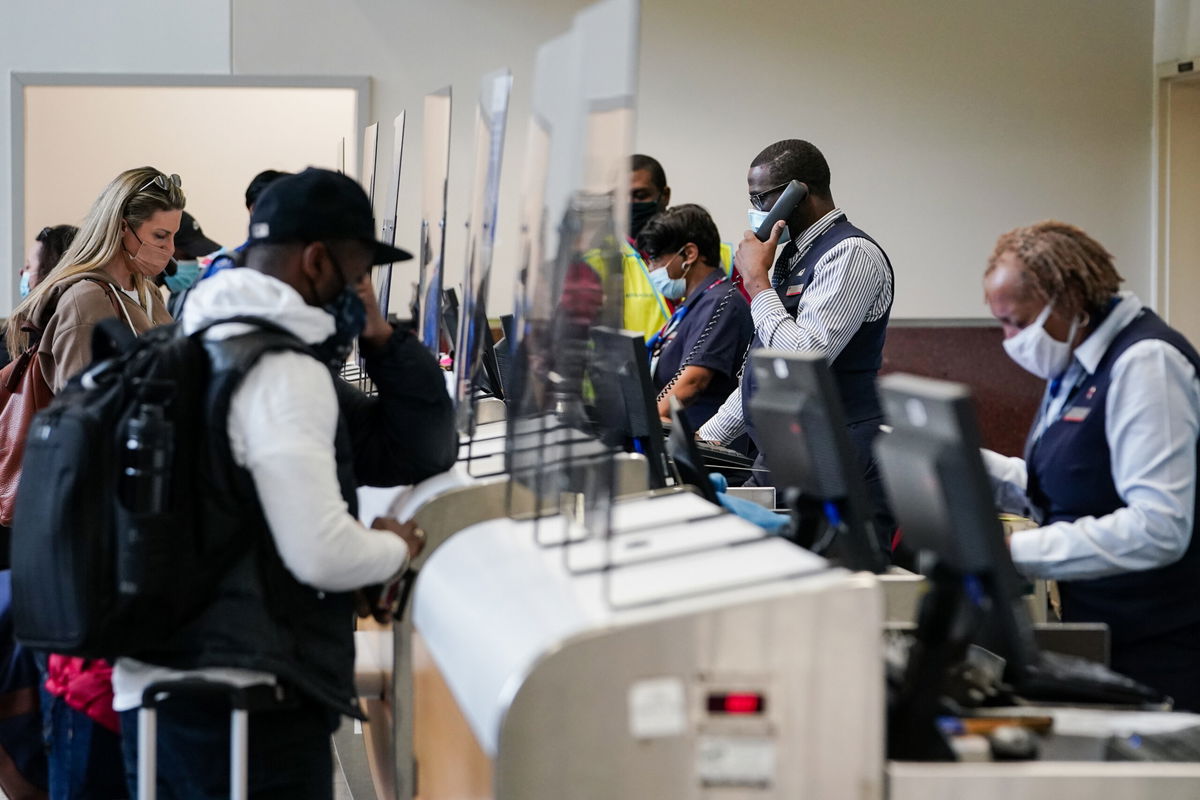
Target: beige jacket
(73,308)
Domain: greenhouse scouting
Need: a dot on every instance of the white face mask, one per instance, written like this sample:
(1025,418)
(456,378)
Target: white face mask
(1038,352)
(757,218)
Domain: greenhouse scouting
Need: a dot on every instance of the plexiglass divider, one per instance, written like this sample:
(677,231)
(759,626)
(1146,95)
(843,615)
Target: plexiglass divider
(383,274)
(574,220)
(491,122)
(435,176)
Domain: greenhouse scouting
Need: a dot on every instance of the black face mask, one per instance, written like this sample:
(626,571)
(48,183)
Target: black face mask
(639,214)
(349,317)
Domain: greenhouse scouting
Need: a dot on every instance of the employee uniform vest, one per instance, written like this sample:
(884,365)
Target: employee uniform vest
(261,618)
(1070,476)
(855,368)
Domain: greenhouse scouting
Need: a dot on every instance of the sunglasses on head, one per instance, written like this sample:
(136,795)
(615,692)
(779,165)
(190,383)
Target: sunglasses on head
(161,181)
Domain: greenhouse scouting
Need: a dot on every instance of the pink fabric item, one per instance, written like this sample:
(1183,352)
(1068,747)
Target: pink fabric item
(85,685)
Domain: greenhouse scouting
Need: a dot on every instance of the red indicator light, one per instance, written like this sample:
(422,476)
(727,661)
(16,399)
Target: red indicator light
(736,703)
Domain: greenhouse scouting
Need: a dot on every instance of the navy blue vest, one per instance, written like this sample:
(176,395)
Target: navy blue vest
(1070,476)
(855,368)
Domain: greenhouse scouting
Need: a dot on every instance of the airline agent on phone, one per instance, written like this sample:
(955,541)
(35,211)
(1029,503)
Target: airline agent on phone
(830,291)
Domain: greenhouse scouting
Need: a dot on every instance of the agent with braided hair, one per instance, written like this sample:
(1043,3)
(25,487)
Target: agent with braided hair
(697,354)
(1110,464)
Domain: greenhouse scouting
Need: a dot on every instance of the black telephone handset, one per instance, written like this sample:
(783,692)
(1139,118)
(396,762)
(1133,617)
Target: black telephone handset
(792,196)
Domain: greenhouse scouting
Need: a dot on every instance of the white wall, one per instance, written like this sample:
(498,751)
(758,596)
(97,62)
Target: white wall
(410,48)
(147,36)
(1176,30)
(215,138)
(946,122)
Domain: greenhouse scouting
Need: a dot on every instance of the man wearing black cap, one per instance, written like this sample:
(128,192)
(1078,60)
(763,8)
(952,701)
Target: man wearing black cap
(305,439)
(190,245)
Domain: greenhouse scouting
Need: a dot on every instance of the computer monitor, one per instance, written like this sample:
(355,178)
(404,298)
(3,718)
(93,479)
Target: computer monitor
(505,353)
(625,411)
(490,379)
(941,495)
(685,454)
(805,443)
(449,317)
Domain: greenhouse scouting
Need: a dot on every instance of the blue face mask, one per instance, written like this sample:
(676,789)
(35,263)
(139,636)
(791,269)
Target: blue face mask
(25,290)
(185,277)
(668,287)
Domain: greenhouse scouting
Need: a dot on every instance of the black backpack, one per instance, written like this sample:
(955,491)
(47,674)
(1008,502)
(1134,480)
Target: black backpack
(110,547)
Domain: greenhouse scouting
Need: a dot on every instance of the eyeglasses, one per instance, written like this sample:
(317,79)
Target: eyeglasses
(757,199)
(161,181)
(666,263)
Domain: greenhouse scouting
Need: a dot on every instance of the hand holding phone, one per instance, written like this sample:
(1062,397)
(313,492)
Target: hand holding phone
(793,195)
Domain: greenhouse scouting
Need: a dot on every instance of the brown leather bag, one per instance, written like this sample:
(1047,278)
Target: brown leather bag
(23,393)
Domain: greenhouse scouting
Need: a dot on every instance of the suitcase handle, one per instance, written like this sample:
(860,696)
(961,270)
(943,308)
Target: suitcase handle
(244,700)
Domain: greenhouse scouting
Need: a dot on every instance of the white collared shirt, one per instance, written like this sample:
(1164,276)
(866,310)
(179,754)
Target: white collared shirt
(1152,421)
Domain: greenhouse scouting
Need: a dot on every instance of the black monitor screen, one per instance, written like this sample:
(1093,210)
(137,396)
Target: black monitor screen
(941,496)
(689,465)
(935,475)
(805,443)
(625,411)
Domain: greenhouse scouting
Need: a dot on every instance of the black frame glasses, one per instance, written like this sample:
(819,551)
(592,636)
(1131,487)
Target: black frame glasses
(757,198)
(161,181)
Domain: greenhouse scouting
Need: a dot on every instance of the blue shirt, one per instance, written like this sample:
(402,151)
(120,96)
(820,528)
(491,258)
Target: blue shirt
(723,350)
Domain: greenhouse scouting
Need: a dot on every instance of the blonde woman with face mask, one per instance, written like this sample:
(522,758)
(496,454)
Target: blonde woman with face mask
(126,240)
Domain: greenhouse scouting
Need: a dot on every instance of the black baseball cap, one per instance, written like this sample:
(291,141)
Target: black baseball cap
(317,205)
(191,240)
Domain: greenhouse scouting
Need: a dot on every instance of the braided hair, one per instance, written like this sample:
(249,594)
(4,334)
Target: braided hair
(1062,264)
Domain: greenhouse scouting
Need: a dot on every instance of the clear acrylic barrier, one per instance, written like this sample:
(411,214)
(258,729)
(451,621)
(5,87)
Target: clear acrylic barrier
(490,126)
(574,219)
(383,274)
(434,177)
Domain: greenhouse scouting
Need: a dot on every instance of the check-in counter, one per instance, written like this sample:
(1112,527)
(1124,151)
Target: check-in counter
(674,660)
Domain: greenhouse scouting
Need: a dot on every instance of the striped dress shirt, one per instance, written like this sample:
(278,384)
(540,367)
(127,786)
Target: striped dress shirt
(851,285)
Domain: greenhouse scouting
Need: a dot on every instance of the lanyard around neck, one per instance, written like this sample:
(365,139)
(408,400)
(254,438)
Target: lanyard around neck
(660,340)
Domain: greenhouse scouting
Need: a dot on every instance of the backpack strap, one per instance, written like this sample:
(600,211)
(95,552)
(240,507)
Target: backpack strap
(235,357)
(111,294)
(246,319)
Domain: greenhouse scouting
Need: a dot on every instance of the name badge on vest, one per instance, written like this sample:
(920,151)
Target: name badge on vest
(794,289)
(1076,414)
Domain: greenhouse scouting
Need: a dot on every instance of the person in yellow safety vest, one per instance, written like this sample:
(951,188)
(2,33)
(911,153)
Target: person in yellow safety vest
(646,310)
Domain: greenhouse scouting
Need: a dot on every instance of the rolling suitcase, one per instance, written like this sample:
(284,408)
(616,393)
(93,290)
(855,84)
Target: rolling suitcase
(243,700)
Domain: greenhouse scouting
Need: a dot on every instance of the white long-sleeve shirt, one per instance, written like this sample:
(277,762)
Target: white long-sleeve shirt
(1152,421)
(851,285)
(282,424)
